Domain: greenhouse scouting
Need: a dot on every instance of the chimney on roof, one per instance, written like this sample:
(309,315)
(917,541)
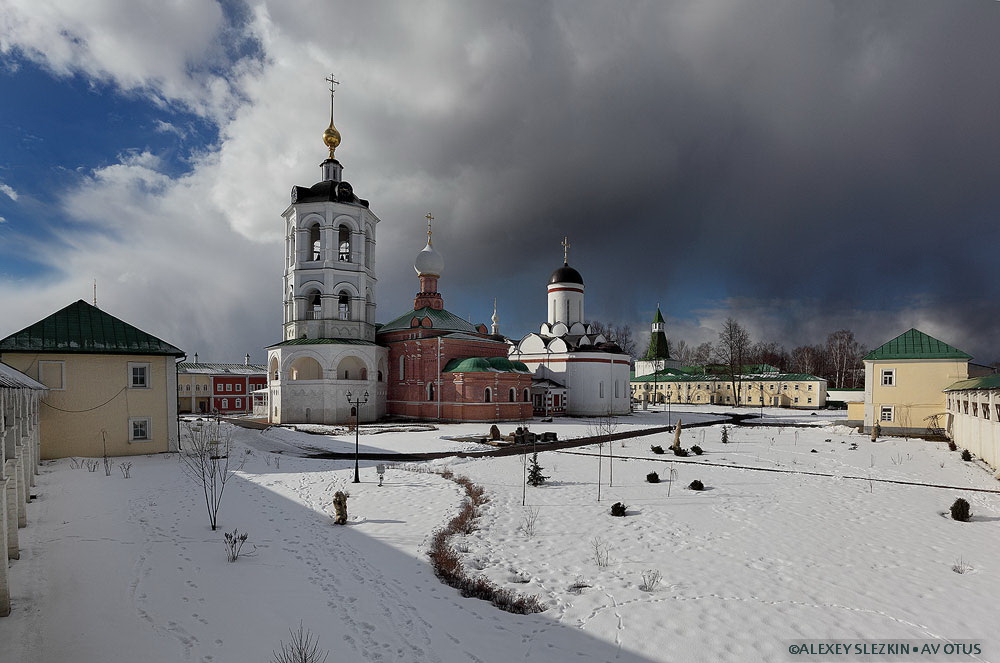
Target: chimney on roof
(196,357)
(246,360)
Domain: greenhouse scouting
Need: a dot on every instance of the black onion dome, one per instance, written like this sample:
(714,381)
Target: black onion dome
(566,274)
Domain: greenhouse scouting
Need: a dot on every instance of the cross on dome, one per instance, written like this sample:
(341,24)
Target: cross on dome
(566,245)
(331,137)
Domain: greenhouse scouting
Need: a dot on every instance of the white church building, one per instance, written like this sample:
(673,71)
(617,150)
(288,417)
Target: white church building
(577,371)
(328,355)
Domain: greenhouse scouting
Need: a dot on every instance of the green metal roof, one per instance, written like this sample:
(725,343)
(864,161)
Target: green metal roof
(440,319)
(984,382)
(485,365)
(915,344)
(322,341)
(658,347)
(659,316)
(82,328)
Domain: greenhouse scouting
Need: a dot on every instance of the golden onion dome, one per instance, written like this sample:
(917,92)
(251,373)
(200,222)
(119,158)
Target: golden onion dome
(331,137)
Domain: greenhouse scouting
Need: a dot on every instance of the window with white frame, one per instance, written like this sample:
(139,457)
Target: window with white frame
(888,377)
(139,429)
(885,413)
(239,403)
(52,374)
(138,375)
(229,387)
(225,403)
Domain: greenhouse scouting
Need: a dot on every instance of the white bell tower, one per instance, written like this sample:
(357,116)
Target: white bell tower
(329,277)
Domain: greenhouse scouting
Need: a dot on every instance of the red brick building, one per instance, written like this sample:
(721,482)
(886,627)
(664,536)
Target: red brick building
(220,388)
(442,367)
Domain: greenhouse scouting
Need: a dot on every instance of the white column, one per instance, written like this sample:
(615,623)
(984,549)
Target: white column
(10,491)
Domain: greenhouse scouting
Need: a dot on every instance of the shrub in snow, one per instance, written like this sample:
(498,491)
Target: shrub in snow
(960,510)
(126,469)
(961,566)
(529,521)
(725,435)
(656,449)
(535,476)
(618,509)
(302,648)
(813,451)
(93,464)
(602,550)
(678,451)
(340,507)
(653,477)
(234,544)
(696,485)
(650,579)
(952,446)
(697,450)
(966,455)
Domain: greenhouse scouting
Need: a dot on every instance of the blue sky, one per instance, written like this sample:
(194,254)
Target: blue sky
(803,167)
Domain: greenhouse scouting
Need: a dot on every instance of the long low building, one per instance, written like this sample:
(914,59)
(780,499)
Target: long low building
(973,420)
(795,390)
(20,401)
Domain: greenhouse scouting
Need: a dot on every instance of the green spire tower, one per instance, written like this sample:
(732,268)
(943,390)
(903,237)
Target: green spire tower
(658,346)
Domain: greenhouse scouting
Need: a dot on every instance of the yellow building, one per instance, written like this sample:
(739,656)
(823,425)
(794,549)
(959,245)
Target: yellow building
(771,389)
(905,381)
(111,387)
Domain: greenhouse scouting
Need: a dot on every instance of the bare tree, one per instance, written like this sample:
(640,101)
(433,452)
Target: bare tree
(732,352)
(620,335)
(302,648)
(844,355)
(205,458)
(702,354)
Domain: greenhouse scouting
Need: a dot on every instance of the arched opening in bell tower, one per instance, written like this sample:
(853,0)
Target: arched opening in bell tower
(344,244)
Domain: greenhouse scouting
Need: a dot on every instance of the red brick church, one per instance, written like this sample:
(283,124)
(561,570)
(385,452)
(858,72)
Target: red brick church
(442,367)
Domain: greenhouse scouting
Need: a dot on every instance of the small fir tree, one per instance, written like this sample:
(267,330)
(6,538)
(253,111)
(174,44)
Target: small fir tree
(725,435)
(535,476)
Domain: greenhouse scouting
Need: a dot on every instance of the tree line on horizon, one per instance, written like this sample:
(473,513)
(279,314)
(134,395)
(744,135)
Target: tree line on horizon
(838,359)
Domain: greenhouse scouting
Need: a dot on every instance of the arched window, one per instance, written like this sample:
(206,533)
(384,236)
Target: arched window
(488,396)
(314,305)
(351,368)
(430,391)
(314,242)
(291,247)
(380,376)
(273,368)
(344,305)
(369,248)
(512,395)
(402,367)
(239,403)
(344,244)
(526,395)
(225,403)
(306,368)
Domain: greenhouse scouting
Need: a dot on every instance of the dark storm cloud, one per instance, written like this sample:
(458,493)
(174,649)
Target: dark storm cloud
(780,150)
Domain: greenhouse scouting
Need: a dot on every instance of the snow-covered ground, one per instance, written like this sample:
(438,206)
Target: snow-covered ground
(116,569)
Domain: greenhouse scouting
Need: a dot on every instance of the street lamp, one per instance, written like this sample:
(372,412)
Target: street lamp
(356,406)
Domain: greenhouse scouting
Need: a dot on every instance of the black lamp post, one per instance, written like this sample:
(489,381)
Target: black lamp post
(356,406)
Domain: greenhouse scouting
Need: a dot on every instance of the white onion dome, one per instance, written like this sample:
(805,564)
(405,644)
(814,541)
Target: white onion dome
(429,262)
